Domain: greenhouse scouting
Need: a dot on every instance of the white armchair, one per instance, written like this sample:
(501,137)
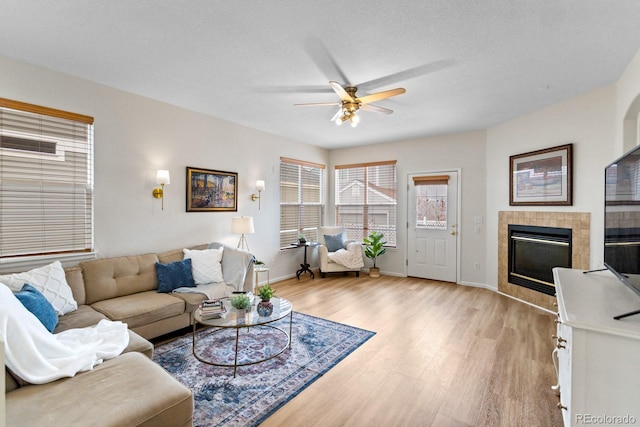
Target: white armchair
(327,249)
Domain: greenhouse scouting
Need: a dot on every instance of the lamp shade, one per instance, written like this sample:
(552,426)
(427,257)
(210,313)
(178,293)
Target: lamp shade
(259,185)
(162,177)
(242,225)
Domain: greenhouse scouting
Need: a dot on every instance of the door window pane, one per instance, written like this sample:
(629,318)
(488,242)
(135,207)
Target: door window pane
(431,206)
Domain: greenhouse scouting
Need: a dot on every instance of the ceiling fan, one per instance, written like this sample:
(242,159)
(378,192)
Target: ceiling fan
(350,103)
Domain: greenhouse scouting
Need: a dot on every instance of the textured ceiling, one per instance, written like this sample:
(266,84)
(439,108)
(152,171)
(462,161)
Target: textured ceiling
(466,65)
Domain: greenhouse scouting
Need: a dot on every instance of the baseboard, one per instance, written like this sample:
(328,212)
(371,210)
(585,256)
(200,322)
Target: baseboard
(526,302)
(478,285)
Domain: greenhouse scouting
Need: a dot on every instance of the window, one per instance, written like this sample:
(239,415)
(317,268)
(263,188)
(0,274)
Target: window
(366,199)
(301,200)
(431,201)
(46,181)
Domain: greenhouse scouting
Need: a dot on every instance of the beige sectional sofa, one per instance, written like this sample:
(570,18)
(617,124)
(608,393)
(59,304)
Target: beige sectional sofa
(129,390)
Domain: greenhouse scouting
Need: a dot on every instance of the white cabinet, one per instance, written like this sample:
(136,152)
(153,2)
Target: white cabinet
(597,357)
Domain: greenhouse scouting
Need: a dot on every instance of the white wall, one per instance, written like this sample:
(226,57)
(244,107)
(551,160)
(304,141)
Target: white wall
(135,136)
(465,151)
(587,121)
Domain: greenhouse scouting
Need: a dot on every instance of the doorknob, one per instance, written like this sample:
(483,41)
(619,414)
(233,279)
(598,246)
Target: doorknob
(453,233)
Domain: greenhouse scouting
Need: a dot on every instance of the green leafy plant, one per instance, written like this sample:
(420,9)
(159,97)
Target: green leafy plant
(266,292)
(256,262)
(374,246)
(240,302)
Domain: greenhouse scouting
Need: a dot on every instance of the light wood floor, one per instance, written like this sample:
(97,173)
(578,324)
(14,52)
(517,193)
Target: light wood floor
(443,355)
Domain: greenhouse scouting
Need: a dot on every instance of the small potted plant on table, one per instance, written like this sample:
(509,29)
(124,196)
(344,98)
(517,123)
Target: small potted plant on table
(265,307)
(373,248)
(241,302)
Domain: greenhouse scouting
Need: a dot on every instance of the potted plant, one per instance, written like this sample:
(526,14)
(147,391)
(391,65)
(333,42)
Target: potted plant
(265,307)
(373,248)
(240,302)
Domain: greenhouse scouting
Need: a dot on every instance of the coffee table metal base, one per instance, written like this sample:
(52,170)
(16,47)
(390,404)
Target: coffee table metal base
(235,363)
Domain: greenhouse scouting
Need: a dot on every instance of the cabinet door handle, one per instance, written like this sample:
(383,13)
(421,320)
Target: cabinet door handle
(554,357)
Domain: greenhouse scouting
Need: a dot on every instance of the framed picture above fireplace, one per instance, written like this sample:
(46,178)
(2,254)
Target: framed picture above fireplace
(542,177)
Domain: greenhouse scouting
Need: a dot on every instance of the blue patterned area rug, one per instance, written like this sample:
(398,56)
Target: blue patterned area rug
(258,390)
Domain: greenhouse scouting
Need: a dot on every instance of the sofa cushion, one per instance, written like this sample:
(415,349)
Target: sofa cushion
(141,308)
(174,275)
(38,305)
(193,300)
(83,317)
(76,283)
(206,265)
(335,241)
(129,390)
(115,277)
(50,280)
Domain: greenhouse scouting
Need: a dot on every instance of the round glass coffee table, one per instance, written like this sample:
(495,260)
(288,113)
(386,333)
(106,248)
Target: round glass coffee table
(233,319)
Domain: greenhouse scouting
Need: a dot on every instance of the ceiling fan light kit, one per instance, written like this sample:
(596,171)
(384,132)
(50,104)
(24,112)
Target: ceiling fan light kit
(350,103)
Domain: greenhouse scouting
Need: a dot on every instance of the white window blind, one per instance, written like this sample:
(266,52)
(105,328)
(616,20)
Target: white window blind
(366,199)
(46,181)
(301,200)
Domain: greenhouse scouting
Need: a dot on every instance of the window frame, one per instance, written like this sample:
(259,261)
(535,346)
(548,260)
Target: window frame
(65,172)
(308,221)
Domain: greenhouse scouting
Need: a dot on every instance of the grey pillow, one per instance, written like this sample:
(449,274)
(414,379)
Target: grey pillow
(334,241)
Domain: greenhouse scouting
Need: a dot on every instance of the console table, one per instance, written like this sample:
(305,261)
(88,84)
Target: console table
(596,357)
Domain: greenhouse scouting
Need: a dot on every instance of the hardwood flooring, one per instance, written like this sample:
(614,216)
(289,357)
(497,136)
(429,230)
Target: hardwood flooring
(443,355)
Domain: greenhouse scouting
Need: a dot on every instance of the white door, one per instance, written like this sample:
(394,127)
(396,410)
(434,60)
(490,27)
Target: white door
(432,233)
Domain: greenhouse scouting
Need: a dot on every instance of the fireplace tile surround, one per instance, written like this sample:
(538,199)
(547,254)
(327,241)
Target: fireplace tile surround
(579,222)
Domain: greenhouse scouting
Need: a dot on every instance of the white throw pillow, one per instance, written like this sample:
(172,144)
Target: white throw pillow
(51,281)
(206,265)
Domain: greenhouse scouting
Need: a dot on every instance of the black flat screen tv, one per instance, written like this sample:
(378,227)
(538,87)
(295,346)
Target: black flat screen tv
(622,220)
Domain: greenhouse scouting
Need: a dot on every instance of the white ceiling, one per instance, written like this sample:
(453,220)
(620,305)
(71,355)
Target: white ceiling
(465,64)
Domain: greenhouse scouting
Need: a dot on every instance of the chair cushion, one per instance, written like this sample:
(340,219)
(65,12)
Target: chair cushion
(334,241)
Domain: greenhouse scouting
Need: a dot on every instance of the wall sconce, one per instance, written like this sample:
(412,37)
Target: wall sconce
(162,178)
(259,189)
(242,225)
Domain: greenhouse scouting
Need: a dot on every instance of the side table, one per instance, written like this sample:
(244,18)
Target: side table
(257,271)
(304,267)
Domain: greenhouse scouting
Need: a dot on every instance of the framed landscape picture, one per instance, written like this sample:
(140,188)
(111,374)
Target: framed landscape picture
(542,177)
(211,191)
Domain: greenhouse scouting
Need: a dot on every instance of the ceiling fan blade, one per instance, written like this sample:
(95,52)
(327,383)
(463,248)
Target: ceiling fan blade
(381,95)
(408,74)
(376,109)
(324,60)
(316,104)
(337,87)
(336,115)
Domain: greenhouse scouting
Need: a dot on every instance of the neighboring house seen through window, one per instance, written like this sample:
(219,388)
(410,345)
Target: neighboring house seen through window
(46,181)
(366,199)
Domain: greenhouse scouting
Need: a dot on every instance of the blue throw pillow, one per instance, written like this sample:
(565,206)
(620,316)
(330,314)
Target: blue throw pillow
(174,275)
(334,241)
(36,303)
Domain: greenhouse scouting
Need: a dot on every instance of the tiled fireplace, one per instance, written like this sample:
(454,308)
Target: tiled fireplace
(577,222)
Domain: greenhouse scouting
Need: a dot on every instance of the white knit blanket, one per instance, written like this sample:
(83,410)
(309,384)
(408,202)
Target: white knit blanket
(350,257)
(37,356)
